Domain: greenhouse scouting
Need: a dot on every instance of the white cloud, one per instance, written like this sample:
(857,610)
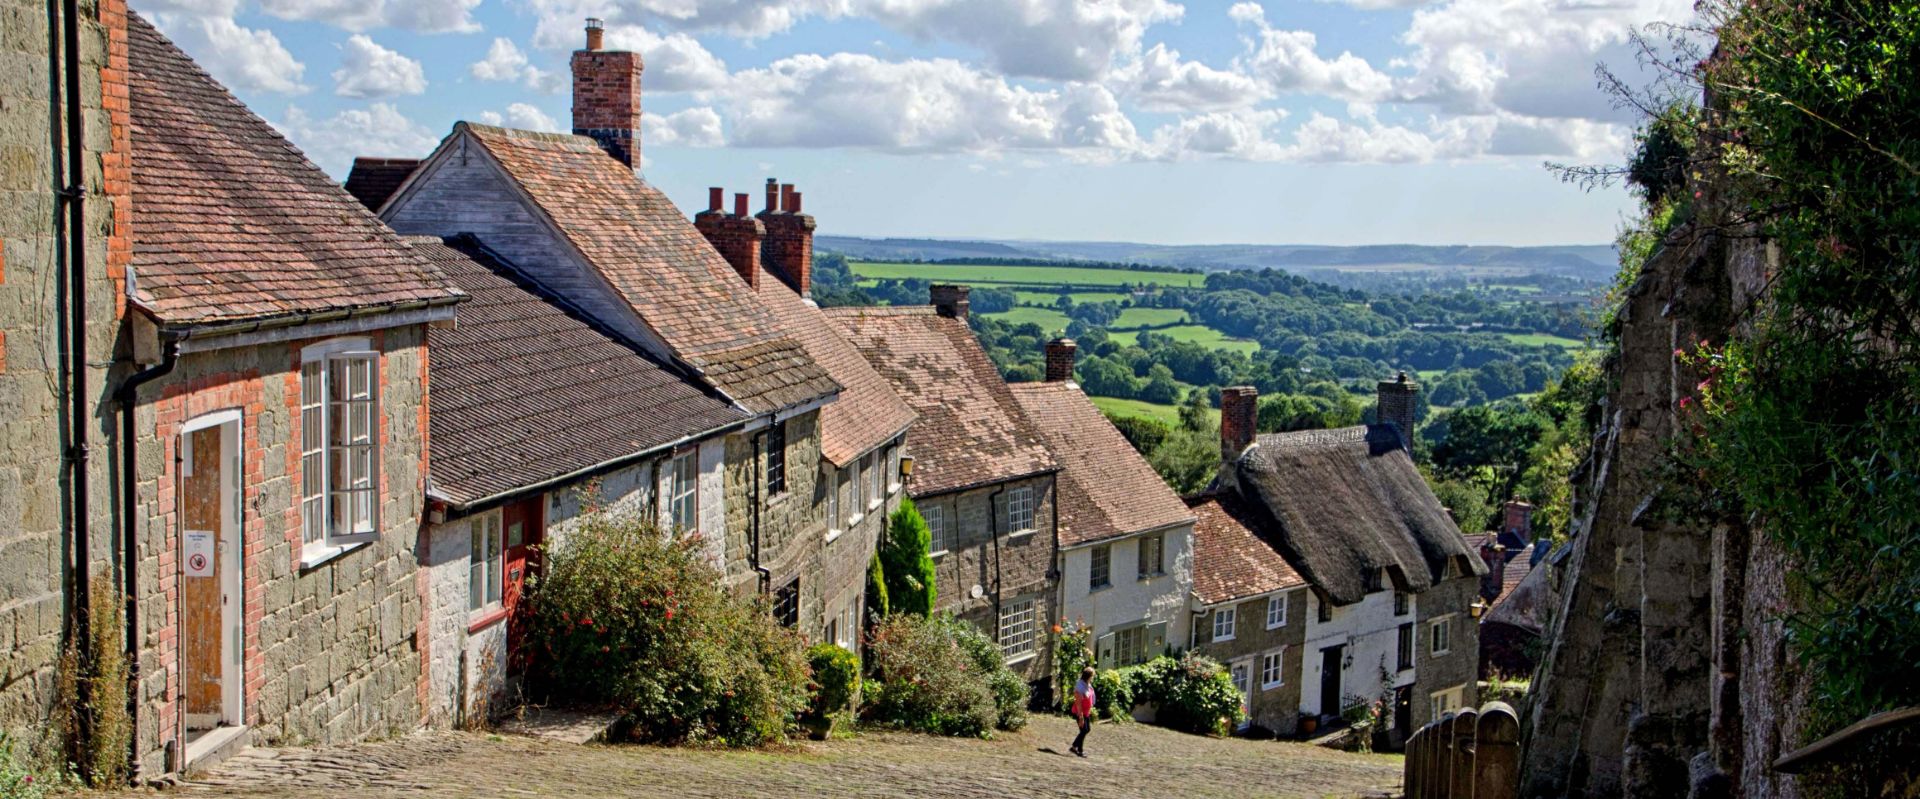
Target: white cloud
(490,118)
(424,16)
(1160,81)
(1288,61)
(243,59)
(1242,134)
(849,100)
(368,70)
(693,127)
(505,62)
(675,62)
(377,130)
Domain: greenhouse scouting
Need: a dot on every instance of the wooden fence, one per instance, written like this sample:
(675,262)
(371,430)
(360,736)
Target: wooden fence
(1468,754)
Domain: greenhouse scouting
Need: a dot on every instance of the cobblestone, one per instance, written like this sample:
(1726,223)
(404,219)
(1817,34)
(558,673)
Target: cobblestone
(1124,761)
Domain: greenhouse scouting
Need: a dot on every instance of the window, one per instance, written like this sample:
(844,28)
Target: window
(684,500)
(1326,611)
(1016,628)
(1019,509)
(1273,669)
(1223,620)
(786,604)
(1152,555)
(857,500)
(1440,635)
(877,491)
(936,516)
(844,484)
(1405,647)
(777,459)
(1276,611)
(1239,672)
(1444,702)
(1100,572)
(829,479)
(1373,581)
(484,563)
(1402,603)
(893,469)
(1130,646)
(339,420)
(841,627)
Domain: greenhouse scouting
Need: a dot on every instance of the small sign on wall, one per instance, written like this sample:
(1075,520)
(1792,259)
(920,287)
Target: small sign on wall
(199,553)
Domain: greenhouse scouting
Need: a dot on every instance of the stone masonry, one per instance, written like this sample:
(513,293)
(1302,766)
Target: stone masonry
(1024,563)
(793,525)
(1275,708)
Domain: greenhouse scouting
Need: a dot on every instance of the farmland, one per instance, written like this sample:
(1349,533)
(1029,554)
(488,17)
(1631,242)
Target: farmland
(1026,276)
(1198,334)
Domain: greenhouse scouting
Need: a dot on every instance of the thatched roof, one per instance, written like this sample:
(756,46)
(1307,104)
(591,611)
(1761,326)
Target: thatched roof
(1343,503)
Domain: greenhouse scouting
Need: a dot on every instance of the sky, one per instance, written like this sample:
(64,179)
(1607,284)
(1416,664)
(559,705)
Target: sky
(1203,122)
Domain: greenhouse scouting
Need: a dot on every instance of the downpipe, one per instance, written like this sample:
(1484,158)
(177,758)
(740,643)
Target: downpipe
(127,396)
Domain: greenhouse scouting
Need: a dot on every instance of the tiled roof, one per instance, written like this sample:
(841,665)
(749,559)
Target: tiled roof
(231,223)
(660,264)
(1106,488)
(1230,560)
(971,431)
(1518,565)
(525,390)
(867,413)
(373,180)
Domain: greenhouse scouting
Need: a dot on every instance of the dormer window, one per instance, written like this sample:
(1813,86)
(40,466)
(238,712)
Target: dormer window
(1375,579)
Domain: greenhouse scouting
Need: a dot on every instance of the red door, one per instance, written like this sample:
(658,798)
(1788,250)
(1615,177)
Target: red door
(525,527)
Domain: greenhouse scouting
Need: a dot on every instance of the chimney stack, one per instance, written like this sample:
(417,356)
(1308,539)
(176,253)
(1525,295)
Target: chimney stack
(788,251)
(1517,528)
(1060,354)
(606,97)
(1239,415)
(736,236)
(949,300)
(1395,406)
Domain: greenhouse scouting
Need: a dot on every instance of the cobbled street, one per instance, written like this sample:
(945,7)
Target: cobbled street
(1133,760)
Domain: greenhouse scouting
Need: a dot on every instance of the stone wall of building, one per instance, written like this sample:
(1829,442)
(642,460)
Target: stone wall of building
(1273,707)
(1451,600)
(966,572)
(793,525)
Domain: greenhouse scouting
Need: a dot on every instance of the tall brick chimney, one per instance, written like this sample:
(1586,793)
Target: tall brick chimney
(1239,414)
(606,97)
(1396,400)
(737,236)
(1060,354)
(1517,526)
(788,251)
(949,300)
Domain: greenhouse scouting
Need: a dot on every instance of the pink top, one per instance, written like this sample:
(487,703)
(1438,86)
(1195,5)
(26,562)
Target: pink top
(1082,700)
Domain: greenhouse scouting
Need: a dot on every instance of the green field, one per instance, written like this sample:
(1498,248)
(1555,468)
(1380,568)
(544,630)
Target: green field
(1128,407)
(1545,340)
(1048,319)
(1023,275)
(1048,297)
(1132,318)
(1204,336)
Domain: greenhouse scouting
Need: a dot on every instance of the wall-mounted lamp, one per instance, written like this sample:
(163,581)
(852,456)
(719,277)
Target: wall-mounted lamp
(1478,608)
(906,466)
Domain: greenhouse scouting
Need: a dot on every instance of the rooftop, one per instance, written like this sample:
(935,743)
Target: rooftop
(1230,560)
(1106,489)
(867,413)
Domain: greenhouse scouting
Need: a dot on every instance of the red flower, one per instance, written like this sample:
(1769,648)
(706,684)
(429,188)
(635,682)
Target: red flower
(669,613)
(586,622)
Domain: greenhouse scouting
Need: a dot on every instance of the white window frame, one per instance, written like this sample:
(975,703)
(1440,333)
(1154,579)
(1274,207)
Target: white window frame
(1020,510)
(1229,615)
(321,365)
(486,564)
(1019,629)
(1273,669)
(937,529)
(830,479)
(1099,568)
(856,498)
(689,493)
(1440,636)
(1276,611)
(877,489)
(1124,655)
(1442,702)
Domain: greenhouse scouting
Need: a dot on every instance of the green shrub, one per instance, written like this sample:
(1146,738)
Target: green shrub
(836,678)
(877,607)
(1113,694)
(905,560)
(16,781)
(940,675)
(1072,651)
(623,616)
(1192,693)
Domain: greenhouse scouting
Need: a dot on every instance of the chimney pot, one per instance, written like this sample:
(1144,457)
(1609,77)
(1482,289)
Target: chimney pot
(1239,416)
(793,202)
(595,33)
(773,195)
(716,198)
(786,197)
(740,204)
(949,300)
(1060,356)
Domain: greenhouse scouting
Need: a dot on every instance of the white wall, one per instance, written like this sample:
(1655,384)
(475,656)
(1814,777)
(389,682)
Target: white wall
(1370,632)
(1129,599)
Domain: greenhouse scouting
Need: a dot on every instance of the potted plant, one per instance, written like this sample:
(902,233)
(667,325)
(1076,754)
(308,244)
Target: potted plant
(835,684)
(1309,723)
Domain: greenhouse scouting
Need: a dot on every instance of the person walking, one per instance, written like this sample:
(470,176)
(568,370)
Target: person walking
(1082,710)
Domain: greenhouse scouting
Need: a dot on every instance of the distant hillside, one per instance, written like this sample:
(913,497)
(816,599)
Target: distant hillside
(1586,262)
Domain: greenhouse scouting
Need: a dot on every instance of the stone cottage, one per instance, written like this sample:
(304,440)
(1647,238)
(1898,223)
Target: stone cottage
(282,437)
(1252,605)
(983,476)
(538,415)
(1390,614)
(571,214)
(1126,540)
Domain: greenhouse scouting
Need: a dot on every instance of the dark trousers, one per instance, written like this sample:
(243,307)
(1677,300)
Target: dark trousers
(1080,741)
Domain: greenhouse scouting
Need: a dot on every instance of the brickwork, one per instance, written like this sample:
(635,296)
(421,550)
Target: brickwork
(1396,400)
(788,249)
(736,236)
(1060,356)
(606,101)
(1239,416)
(1024,560)
(1274,707)
(949,300)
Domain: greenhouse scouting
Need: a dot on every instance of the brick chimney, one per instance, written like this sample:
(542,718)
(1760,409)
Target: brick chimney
(1517,523)
(1395,405)
(1060,354)
(606,97)
(1239,413)
(788,251)
(949,300)
(737,236)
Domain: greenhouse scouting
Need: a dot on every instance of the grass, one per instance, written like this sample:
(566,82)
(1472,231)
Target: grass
(1131,407)
(1048,297)
(1024,275)
(1048,319)
(1198,334)
(1545,340)
(1132,318)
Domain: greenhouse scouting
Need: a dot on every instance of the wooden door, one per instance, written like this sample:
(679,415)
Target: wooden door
(202,514)
(1330,680)
(524,530)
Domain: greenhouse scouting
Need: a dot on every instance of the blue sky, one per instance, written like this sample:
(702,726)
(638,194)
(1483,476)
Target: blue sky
(1284,121)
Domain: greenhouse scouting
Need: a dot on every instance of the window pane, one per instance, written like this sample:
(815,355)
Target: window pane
(477,566)
(313,524)
(494,566)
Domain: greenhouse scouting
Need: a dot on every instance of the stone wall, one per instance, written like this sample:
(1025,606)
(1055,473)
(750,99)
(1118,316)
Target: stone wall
(332,649)
(1024,560)
(793,523)
(1460,667)
(1274,707)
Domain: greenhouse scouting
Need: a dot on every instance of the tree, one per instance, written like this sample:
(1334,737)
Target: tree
(1193,413)
(1187,460)
(905,562)
(877,607)
(1144,433)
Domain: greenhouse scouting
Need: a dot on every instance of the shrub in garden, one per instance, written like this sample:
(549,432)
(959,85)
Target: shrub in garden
(1192,692)
(836,678)
(877,605)
(906,562)
(986,658)
(622,616)
(933,675)
(1072,651)
(1113,694)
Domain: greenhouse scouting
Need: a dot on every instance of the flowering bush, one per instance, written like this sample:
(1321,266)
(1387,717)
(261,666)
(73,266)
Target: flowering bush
(836,678)
(17,782)
(1113,694)
(939,675)
(623,616)
(1072,651)
(1192,692)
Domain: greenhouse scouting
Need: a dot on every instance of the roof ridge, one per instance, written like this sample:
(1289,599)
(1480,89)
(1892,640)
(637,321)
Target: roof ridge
(531,135)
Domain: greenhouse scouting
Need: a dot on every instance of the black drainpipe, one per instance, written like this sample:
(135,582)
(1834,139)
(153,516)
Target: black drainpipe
(993,536)
(127,396)
(753,535)
(72,233)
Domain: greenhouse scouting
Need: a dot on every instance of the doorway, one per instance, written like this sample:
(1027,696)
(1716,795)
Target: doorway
(209,497)
(525,528)
(1242,672)
(1330,660)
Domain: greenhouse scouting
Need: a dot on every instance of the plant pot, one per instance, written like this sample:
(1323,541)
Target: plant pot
(1309,724)
(819,728)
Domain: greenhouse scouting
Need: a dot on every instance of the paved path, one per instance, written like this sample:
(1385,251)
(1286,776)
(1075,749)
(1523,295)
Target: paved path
(1125,761)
